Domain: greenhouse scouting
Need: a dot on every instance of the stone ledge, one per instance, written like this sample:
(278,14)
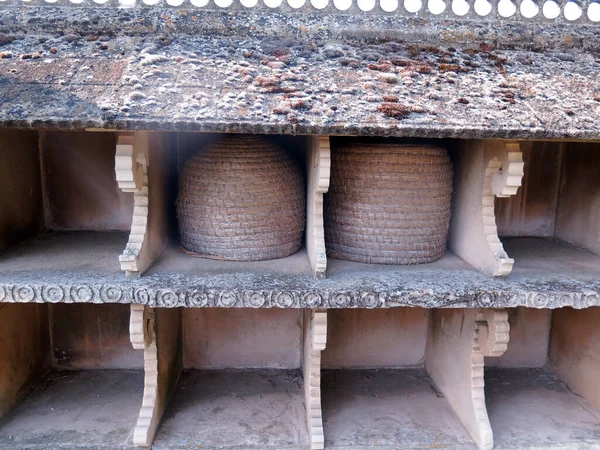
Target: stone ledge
(83,267)
(192,298)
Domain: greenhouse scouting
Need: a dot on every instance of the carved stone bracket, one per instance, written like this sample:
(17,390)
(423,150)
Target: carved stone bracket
(458,342)
(485,170)
(503,178)
(507,179)
(162,366)
(131,170)
(141,327)
(143,337)
(493,331)
(319,165)
(315,340)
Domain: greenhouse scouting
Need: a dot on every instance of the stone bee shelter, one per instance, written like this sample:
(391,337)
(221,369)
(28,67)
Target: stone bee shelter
(300,224)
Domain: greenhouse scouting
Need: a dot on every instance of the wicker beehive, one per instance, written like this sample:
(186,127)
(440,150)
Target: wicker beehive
(241,199)
(388,204)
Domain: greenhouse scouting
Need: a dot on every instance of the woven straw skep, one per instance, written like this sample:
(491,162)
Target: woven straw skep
(241,199)
(388,204)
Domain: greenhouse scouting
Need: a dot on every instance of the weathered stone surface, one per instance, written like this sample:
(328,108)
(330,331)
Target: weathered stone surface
(385,75)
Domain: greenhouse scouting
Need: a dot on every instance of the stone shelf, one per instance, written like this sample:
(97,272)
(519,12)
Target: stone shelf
(363,409)
(532,409)
(550,259)
(78,255)
(261,409)
(82,267)
(76,409)
(388,409)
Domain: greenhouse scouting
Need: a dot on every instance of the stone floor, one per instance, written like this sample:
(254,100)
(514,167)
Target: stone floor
(236,410)
(388,409)
(92,409)
(264,410)
(531,409)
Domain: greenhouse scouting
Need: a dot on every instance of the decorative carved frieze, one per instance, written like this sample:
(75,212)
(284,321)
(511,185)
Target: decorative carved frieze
(151,295)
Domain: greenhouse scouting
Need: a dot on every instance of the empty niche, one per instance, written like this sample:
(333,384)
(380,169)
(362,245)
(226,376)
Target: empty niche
(375,389)
(551,225)
(241,377)
(63,210)
(541,393)
(74,361)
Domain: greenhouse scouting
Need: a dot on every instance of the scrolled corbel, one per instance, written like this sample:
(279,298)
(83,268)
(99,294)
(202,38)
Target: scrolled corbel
(319,167)
(315,340)
(141,327)
(493,331)
(131,171)
(142,333)
(508,178)
(162,364)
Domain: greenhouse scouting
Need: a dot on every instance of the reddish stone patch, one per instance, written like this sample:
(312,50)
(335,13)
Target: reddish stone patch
(396,110)
(417,66)
(449,68)
(4,39)
(383,67)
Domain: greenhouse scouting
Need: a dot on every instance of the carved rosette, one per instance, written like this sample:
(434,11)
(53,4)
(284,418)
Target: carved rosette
(169,298)
(23,294)
(111,294)
(312,300)
(255,299)
(82,294)
(340,300)
(197,299)
(285,299)
(142,296)
(227,299)
(53,294)
(369,300)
